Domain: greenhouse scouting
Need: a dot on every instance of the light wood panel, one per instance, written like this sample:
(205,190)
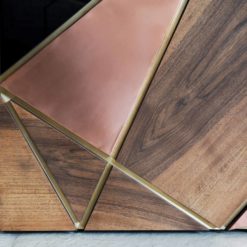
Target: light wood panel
(76,170)
(190,135)
(126,205)
(27,201)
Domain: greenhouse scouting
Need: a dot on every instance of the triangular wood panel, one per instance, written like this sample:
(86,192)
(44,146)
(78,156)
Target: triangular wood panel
(27,200)
(189,137)
(76,170)
(126,205)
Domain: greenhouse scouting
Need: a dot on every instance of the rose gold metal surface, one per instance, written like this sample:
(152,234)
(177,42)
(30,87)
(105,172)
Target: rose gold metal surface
(89,77)
(241,223)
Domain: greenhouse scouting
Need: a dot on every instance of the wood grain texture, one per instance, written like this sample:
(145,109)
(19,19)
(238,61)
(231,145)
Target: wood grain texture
(190,135)
(126,205)
(76,170)
(27,201)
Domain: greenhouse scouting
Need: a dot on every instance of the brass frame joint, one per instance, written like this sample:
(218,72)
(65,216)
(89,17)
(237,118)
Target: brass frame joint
(4,99)
(78,226)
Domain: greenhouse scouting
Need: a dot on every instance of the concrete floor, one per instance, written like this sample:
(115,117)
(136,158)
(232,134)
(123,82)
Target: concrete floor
(230,239)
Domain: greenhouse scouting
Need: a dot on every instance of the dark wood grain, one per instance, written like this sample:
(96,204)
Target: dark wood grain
(190,135)
(76,170)
(27,201)
(126,205)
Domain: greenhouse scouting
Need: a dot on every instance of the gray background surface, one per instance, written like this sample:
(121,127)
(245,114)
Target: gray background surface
(220,239)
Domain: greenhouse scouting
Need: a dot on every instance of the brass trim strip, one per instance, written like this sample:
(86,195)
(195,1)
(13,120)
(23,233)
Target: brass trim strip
(42,163)
(4,99)
(127,125)
(73,137)
(110,159)
(105,157)
(49,39)
(150,75)
(96,194)
(198,218)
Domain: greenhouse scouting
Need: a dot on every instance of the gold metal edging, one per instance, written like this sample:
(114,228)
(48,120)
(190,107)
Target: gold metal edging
(42,163)
(99,153)
(72,136)
(110,160)
(150,75)
(4,99)
(96,194)
(196,217)
(49,39)
(128,123)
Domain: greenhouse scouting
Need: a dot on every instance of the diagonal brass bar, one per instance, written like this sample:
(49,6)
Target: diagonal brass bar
(96,194)
(72,136)
(150,75)
(42,163)
(127,125)
(198,218)
(111,159)
(49,39)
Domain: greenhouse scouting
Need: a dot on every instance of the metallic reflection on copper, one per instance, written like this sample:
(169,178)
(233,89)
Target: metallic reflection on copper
(88,78)
(241,223)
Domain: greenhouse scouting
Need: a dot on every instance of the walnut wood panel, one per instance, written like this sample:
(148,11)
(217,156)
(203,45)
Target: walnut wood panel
(190,135)
(76,170)
(126,205)
(27,201)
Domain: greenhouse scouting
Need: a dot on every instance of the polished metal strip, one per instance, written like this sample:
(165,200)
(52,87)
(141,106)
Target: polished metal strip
(72,136)
(150,75)
(4,99)
(127,125)
(96,194)
(100,154)
(42,163)
(49,39)
(198,218)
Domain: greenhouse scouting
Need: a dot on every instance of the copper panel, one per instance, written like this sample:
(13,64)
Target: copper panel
(241,223)
(89,77)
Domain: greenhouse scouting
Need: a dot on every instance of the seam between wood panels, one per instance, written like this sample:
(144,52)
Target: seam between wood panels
(111,159)
(167,198)
(112,162)
(150,75)
(42,164)
(129,122)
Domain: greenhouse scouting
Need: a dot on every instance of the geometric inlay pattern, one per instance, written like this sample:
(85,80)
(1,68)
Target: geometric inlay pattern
(89,78)
(76,170)
(145,145)
(27,200)
(126,205)
(190,135)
